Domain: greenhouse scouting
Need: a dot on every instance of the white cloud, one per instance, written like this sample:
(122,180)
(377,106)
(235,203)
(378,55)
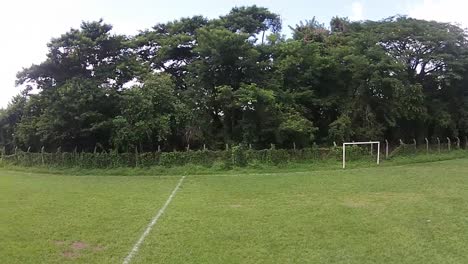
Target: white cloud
(453,11)
(357,11)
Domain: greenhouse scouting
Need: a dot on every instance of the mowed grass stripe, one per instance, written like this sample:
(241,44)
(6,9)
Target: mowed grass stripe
(406,214)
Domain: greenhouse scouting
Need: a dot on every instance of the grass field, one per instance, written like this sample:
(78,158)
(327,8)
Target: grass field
(413,213)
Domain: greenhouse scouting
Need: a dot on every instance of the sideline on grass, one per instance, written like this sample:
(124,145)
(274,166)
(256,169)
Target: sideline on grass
(137,245)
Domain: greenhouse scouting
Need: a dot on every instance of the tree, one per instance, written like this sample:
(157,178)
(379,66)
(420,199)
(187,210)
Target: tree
(212,81)
(147,114)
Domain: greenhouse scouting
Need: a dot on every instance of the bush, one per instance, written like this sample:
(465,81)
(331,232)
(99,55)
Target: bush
(237,156)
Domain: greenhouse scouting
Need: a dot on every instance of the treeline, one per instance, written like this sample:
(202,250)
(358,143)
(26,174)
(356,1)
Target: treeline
(236,79)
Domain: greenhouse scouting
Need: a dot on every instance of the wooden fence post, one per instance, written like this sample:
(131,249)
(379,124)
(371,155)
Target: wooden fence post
(386,149)
(227,147)
(294,146)
(42,155)
(136,157)
(427,145)
(2,153)
(204,147)
(438,144)
(458,142)
(449,144)
(16,154)
(159,148)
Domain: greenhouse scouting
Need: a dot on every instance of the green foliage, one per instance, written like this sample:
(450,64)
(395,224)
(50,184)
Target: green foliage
(236,80)
(237,156)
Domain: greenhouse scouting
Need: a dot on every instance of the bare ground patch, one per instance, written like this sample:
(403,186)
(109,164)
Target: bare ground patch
(75,249)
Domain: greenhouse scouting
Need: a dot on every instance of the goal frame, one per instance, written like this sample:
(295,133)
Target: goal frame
(361,143)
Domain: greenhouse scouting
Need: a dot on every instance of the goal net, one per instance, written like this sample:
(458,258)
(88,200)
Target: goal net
(371,143)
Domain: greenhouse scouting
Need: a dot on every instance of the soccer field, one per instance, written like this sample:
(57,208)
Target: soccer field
(396,214)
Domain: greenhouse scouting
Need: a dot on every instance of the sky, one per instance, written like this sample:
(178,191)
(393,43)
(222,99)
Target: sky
(26,26)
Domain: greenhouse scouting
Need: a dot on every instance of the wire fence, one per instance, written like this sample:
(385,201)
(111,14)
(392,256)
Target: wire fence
(240,155)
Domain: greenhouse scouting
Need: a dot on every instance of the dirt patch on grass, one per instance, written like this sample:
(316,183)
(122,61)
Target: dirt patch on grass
(75,249)
(70,254)
(99,248)
(59,243)
(79,245)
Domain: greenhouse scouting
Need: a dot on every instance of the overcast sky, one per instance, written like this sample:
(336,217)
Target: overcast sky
(27,25)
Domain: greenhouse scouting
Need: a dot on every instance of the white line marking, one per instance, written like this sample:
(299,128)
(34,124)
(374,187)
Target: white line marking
(137,245)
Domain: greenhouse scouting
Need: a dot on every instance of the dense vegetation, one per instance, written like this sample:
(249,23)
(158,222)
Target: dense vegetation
(237,79)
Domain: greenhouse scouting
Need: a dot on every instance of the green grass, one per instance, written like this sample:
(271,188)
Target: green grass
(395,213)
(47,218)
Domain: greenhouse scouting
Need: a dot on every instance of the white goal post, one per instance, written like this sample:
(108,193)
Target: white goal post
(361,143)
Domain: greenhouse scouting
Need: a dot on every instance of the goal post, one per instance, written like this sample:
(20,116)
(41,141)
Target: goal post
(372,143)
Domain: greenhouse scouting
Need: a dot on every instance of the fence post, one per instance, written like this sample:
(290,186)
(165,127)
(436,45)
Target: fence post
(59,150)
(458,142)
(188,147)
(16,153)
(427,145)
(42,155)
(438,144)
(204,147)
(136,157)
(227,147)
(159,148)
(250,146)
(466,142)
(449,143)
(386,149)
(294,146)
(2,153)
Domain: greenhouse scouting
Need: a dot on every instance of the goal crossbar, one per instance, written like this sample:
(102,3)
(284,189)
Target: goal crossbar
(361,143)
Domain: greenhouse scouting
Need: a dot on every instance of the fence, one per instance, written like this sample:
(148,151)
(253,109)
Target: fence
(234,156)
